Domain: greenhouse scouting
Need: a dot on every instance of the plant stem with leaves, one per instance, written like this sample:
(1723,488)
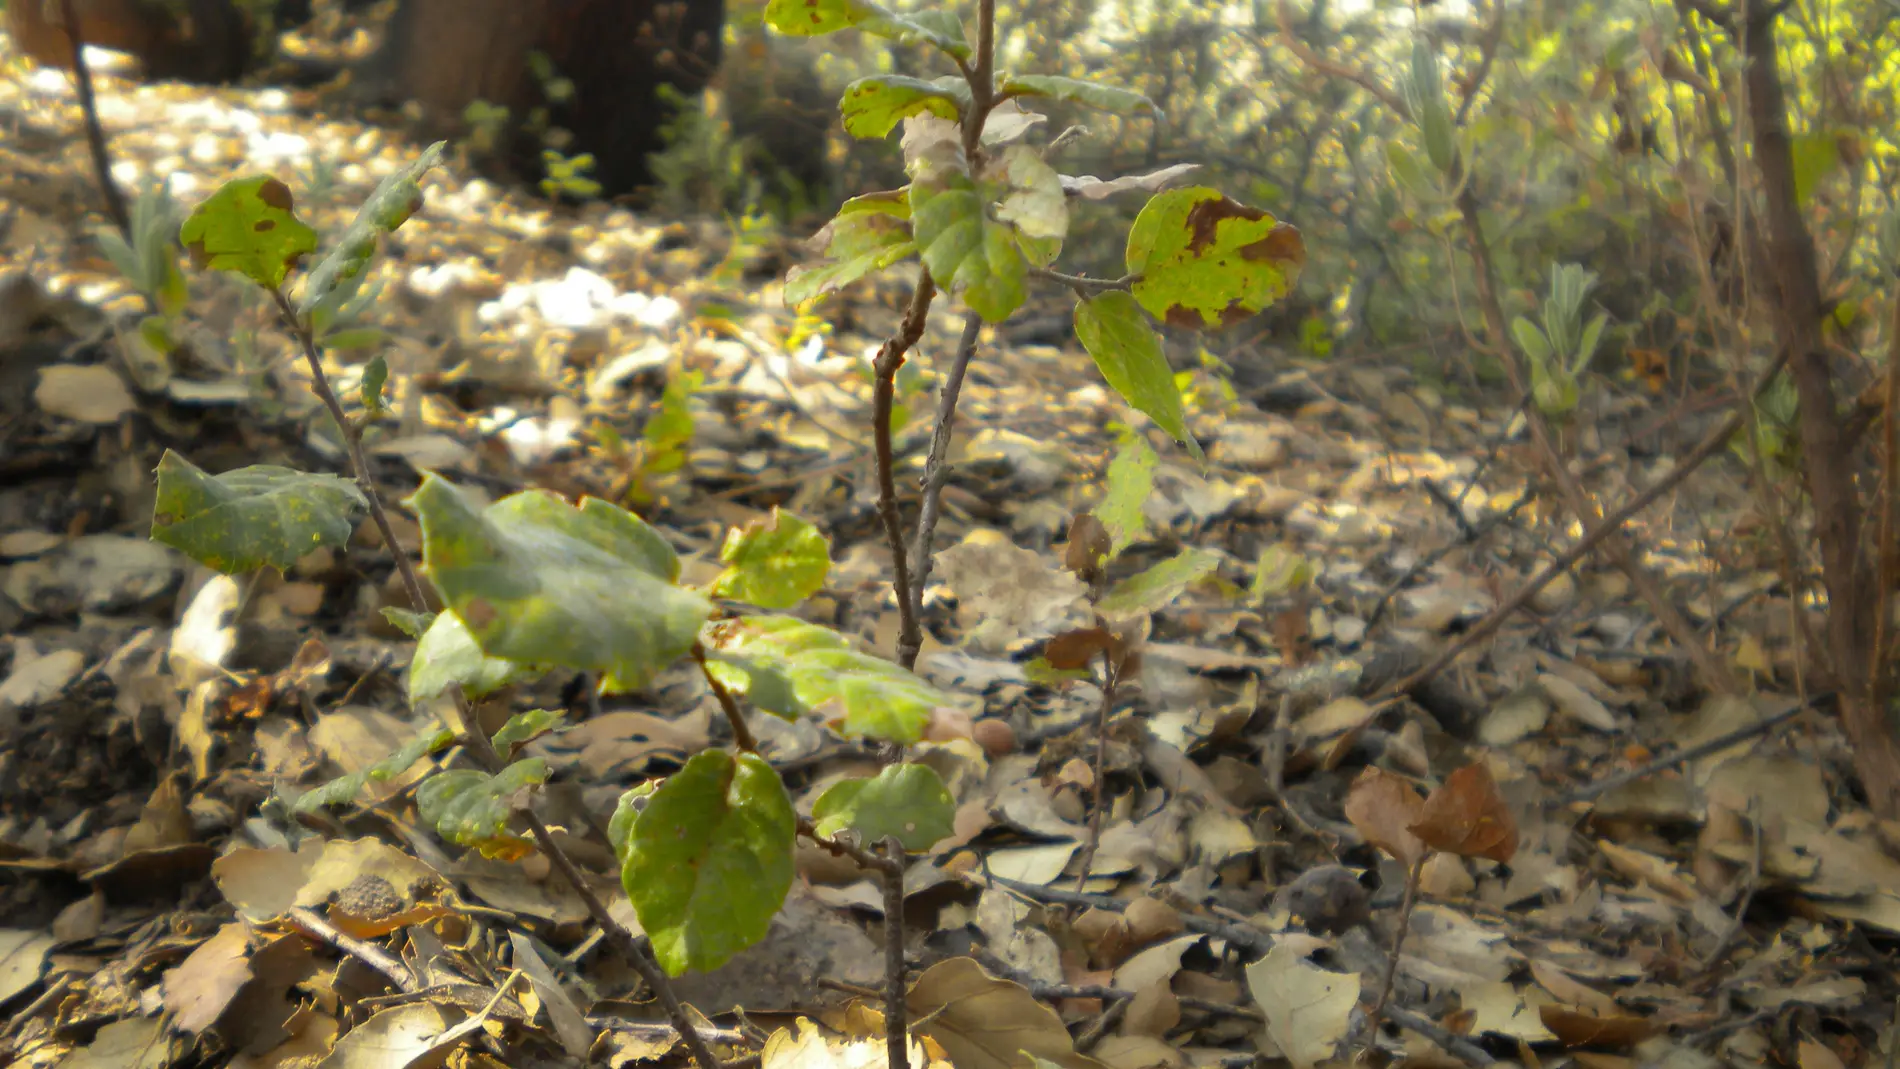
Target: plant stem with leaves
(468,729)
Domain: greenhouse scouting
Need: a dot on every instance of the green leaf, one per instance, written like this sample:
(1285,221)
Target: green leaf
(789,668)
(709,860)
(1208,262)
(1815,157)
(1131,478)
(813,18)
(1426,97)
(248,226)
(354,338)
(908,801)
(626,812)
(375,376)
(524,727)
(390,205)
(252,517)
(344,789)
(448,654)
(537,580)
(1128,352)
(872,107)
(868,234)
(1279,572)
(1094,94)
(774,563)
(471,808)
(1410,175)
(413,624)
(968,253)
(1153,589)
(1531,340)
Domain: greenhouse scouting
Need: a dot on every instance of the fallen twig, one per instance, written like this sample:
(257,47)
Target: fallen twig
(1720,742)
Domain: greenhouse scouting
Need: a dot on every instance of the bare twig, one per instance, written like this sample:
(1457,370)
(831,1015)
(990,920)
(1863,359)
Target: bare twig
(937,468)
(1111,676)
(1082,284)
(369,954)
(1398,945)
(1720,950)
(95,133)
(890,357)
(1650,768)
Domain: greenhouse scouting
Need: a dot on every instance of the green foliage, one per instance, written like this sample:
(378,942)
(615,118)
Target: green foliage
(665,438)
(873,106)
(908,801)
(1128,353)
(1131,478)
(336,278)
(344,789)
(773,563)
(1279,572)
(1152,589)
(248,227)
(1112,98)
(255,517)
(535,579)
(471,808)
(448,656)
(790,668)
(1562,348)
(150,263)
(709,859)
(567,176)
(868,234)
(1206,261)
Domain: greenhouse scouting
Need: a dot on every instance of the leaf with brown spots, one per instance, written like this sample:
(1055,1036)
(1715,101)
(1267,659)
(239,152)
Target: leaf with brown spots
(1208,262)
(248,226)
(1468,817)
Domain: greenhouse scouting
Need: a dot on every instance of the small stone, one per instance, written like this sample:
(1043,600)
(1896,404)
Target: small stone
(1327,899)
(93,393)
(1253,446)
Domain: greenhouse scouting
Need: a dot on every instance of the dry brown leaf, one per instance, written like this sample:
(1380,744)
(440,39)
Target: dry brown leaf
(199,988)
(1579,1028)
(1468,817)
(986,1023)
(1383,806)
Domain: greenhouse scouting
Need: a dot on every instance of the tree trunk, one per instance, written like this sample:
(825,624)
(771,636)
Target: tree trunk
(1853,590)
(447,54)
(205,41)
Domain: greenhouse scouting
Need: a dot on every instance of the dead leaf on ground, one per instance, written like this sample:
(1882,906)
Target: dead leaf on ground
(199,988)
(986,1023)
(1467,816)
(22,959)
(1308,1008)
(1383,806)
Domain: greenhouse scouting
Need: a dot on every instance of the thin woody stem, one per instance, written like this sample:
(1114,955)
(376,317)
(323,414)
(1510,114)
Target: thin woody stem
(468,728)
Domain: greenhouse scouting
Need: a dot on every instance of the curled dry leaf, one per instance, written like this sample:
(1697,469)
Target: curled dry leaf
(1468,817)
(1581,1028)
(1383,807)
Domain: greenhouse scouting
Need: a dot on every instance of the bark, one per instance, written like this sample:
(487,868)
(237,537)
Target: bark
(1788,262)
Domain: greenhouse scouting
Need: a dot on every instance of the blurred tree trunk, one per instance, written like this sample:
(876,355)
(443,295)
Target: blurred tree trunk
(188,40)
(446,54)
(1829,457)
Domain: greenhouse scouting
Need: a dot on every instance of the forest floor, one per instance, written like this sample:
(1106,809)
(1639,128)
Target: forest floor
(1669,902)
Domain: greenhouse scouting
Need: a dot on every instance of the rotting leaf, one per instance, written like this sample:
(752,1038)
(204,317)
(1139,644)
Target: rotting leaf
(1467,816)
(1088,547)
(251,517)
(1383,806)
(1208,262)
(983,1022)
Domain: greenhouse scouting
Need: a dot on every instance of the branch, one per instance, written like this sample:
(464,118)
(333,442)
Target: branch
(890,357)
(1082,284)
(936,472)
(473,739)
(1306,55)
(95,134)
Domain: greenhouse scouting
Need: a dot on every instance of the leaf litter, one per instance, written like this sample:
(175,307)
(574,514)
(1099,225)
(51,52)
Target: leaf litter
(168,907)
